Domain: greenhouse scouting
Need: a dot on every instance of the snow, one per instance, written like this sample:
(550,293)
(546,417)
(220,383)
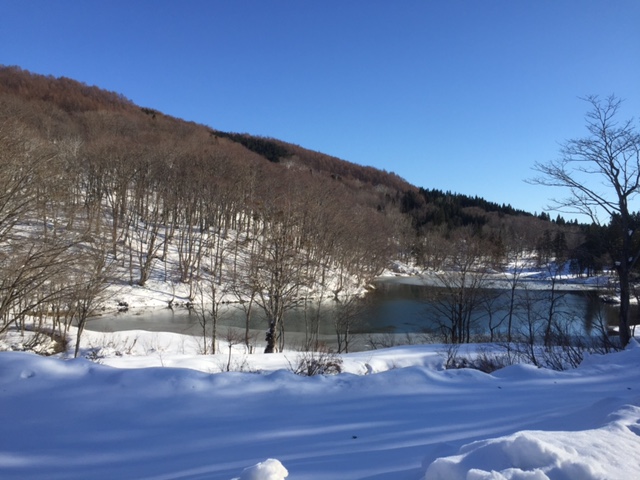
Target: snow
(149,406)
(525,271)
(270,469)
(586,455)
(394,414)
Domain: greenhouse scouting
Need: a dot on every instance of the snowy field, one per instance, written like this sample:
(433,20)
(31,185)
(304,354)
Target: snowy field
(395,414)
(149,407)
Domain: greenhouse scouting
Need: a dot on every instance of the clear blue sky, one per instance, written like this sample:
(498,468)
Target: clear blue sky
(455,95)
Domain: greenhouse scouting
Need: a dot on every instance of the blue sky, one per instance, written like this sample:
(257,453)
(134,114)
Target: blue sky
(456,95)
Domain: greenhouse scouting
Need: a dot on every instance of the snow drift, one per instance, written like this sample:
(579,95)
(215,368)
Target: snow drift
(74,419)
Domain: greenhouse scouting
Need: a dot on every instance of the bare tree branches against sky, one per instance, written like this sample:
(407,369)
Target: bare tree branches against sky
(455,95)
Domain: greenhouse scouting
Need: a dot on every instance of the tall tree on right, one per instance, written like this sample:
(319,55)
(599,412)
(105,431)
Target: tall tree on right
(602,173)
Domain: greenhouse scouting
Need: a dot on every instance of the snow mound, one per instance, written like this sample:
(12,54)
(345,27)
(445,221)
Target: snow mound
(610,452)
(270,469)
(630,355)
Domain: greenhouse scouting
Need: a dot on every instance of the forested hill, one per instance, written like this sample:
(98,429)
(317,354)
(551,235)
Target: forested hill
(464,201)
(96,191)
(75,99)
(108,128)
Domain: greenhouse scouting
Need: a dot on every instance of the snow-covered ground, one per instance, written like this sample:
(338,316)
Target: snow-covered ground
(150,407)
(526,273)
(394,414)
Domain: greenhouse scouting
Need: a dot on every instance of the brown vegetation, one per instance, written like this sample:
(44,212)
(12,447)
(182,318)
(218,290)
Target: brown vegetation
(87,178)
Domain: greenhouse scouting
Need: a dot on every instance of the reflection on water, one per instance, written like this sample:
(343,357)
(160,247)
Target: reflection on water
(409,308)
(394,307)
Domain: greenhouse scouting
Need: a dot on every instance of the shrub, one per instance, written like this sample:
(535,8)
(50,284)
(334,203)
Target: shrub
(309,364)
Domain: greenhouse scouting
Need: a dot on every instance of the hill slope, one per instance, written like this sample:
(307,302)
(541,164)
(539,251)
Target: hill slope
(96,190)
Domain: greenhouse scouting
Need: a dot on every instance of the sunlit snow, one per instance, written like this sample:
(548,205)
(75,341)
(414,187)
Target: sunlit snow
(397,415)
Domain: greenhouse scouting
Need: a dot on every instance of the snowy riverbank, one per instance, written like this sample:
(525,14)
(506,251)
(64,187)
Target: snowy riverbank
(526,275)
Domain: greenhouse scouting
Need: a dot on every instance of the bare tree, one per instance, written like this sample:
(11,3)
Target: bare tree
(22,157)
(232,337)
(26,269)
(278,278)
(602,173)
(348,316)
(207,308)
(89,286)
(277,268)
(30,263)
(211,290)
(243,287)
(459,299)
(516,263)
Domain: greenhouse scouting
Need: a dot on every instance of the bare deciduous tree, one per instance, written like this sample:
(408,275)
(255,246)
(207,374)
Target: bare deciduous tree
(602,173)
(89,286)
(279,279)
(462,284)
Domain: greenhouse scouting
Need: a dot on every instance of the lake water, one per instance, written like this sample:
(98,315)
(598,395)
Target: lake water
(396,310)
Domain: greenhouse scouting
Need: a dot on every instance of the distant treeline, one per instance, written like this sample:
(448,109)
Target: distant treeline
(436,207)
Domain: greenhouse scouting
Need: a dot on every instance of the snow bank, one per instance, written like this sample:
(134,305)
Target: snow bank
(270,469)
(74,419)
(610,452)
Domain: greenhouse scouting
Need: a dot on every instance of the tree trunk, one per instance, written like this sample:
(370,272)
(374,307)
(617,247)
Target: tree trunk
(623,320)
(271,337)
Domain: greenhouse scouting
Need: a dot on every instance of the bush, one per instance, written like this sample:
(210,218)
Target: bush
(485,360)
(317,363)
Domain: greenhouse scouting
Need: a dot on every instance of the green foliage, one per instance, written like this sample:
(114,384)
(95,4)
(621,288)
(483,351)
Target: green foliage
(149,111)
(465,201)
(435,207)
(264,147)
(551,247)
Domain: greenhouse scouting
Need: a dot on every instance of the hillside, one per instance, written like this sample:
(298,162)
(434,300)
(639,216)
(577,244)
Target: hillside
(96,191)
(62,105)
(75,99)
